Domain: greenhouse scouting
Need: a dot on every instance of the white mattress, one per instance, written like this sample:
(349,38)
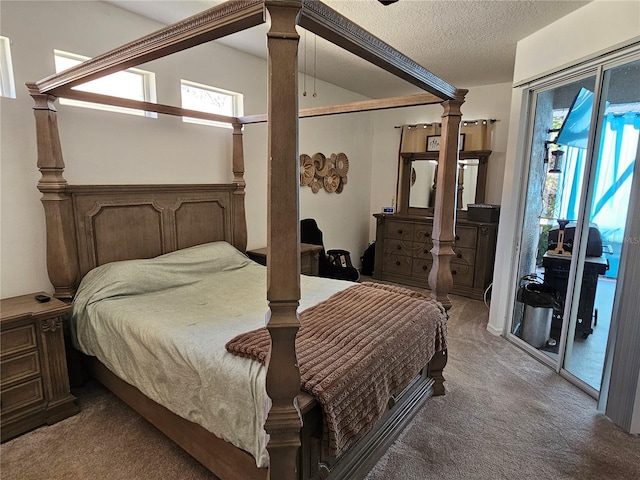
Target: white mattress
(162,325)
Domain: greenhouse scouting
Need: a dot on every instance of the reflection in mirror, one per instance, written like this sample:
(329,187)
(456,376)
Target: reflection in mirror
(423,179)
(467,182)
(423,183)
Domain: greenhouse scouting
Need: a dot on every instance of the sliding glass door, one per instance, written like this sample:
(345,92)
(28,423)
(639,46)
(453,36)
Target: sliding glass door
(615,151)
(583,150)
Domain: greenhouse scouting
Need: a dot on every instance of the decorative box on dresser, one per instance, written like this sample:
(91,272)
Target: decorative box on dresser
(34,389)
(403,252)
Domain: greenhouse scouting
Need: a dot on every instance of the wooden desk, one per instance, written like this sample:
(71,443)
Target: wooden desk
(309,258)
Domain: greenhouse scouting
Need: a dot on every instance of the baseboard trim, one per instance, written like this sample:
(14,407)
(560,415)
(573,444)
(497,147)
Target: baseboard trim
(494,331)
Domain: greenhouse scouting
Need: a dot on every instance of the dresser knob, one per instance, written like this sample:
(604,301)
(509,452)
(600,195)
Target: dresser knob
(427,234)
(399,247)
(453,272)
(459,255)
(457,237)
(425,251)
(398,262)
(424,267)
(400,231)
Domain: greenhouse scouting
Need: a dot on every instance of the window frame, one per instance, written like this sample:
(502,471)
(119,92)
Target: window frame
(148,80)
(237,100)
(7,80)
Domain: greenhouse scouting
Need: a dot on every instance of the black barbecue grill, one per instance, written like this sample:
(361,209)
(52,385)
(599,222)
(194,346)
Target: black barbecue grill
(556,263)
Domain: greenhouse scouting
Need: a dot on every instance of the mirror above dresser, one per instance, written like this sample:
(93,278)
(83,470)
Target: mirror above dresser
(417,180)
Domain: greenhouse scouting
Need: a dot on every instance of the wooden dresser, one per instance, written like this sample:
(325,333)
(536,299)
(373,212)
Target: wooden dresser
(309,258)
(35,385)
(403,253)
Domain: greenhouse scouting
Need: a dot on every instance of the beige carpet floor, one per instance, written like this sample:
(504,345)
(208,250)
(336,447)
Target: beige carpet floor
(505,416)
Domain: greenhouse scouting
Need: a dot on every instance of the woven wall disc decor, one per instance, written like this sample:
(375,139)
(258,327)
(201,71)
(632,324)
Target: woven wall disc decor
(321,172)
(342,164)
(307,170)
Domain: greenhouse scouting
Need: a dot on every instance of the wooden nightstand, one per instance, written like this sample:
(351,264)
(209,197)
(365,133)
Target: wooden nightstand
(34,389)
(309,258)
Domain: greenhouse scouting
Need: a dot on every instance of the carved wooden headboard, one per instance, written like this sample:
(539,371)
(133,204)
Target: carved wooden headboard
(124,222)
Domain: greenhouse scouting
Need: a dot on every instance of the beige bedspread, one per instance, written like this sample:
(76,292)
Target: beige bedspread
(161,325)
(357,349)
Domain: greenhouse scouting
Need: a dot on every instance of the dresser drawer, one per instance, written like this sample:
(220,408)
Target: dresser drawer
(20,367)
(423,251)
(421,268)
(399,230)
(21,395)
(466,237)
(396,263)
(398,247)
(422,233)
(462,274)
(19,339)
(464,256)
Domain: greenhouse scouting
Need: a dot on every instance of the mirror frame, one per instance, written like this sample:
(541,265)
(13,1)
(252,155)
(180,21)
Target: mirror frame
(404,178)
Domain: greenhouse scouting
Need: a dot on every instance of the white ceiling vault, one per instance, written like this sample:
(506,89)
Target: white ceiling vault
(466,42)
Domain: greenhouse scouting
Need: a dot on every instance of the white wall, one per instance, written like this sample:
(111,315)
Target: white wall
(103,147)
(588,30)
(486,102)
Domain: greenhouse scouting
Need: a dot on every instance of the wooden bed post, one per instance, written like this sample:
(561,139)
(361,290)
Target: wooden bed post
(440,278)
(62,259)
(283,240)
(239,221)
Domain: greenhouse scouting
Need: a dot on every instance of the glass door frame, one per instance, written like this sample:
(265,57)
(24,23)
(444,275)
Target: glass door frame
(596,68)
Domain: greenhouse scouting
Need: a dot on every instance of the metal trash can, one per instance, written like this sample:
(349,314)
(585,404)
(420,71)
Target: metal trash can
(536,325)
(539,300)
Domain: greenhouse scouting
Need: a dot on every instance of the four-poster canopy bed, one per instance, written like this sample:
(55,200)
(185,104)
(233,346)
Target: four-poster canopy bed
(94,226)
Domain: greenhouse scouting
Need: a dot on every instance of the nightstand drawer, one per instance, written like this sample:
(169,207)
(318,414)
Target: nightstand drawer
(21,395)
(305,264)
(21,367)
(18,339)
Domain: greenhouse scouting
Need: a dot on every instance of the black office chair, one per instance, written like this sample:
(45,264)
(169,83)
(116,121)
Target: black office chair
(333,263)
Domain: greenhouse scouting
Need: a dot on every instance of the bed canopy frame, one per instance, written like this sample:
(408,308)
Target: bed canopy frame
(283,275)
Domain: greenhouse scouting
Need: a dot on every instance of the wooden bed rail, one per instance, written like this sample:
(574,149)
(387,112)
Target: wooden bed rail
(217,22)
(140,105)
(352,107)
(325,22)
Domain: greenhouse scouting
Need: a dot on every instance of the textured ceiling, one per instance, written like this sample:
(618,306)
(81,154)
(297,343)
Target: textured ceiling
(465,42)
